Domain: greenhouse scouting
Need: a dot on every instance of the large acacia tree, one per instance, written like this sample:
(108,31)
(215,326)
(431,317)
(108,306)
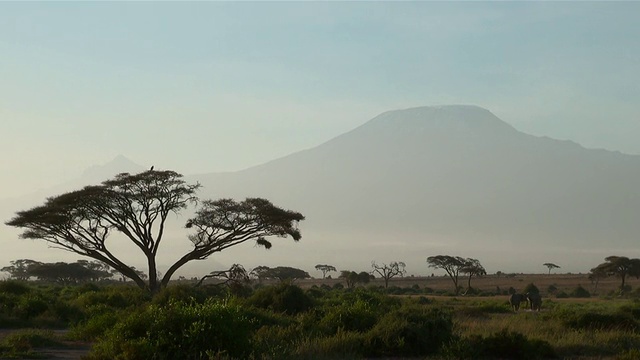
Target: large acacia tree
(138,206)
(453,265)
(620,266)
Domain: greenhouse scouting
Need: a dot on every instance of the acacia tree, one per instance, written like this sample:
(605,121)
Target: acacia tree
(453,265)
(138,206)
(353,278)
(620,266)
(387,272)
(325,269)
(20,269)
(472,267)
(595,275)
(551,266)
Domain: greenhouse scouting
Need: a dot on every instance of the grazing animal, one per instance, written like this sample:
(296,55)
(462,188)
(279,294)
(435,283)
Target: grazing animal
(515,301)
(535,301)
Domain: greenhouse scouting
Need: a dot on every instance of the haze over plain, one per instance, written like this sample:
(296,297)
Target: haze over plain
(209,87)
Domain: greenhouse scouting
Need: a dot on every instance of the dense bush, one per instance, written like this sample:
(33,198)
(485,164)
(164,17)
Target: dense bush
(590,319)
(178,331)
(350,316)
(14,287)
(501,345)
(580,292)
(410,331)
(281,298)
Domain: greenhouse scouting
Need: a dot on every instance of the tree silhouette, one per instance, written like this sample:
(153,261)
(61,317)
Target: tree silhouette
(325,269)
(453,265)
(619,266)
(551,266)
(387,272)
(472,267)
(138,207)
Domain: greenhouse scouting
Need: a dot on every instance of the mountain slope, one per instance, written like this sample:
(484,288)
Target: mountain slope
(452,179)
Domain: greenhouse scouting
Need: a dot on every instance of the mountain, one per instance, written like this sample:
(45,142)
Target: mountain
(418,182)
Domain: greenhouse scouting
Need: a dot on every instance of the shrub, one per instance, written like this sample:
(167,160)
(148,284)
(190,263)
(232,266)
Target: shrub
(281,298)
(562,295)
(30,306)
(580,292)
(349,316)
(409,331)
(501,345)
(587,319)
(342,345)
(14,287)
(177,331)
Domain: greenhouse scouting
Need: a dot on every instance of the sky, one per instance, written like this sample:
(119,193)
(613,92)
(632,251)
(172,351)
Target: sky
(202,87)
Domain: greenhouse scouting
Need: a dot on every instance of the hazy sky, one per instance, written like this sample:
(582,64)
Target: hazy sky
(202,87)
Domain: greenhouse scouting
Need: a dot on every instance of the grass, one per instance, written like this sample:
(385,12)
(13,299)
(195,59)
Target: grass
(550,325)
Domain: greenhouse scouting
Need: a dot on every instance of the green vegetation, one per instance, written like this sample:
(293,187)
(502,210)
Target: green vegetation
(283,321)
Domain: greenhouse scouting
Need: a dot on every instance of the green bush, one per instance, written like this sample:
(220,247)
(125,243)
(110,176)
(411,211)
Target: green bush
(14,287)
(95,326)
(349,316)
(501,345)
(342,345)
(177,331)
(30,306)
(580,292)
(281,298)
(590,319)
(409,331)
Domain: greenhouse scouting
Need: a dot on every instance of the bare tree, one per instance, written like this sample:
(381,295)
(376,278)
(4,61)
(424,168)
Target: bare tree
(235,275)
(551,266)
(138,206)
(387,272)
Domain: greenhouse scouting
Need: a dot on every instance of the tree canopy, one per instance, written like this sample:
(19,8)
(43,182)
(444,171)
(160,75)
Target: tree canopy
(59,272)
(325,269)
(452,265)
(472,267)
(353,278)
(620,266)
(282,273)
(138,207)
(551,266)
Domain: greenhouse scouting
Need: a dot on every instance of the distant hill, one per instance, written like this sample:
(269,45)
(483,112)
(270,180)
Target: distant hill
(456,180)
(424,181)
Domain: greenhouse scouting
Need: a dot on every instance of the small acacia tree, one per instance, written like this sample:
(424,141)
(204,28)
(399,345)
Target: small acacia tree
(138,207)
(551,266)
(387,272)
(472,267)
(325,269)
(453,265)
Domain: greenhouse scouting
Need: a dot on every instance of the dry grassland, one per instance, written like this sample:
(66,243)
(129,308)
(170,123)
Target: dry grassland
(490,283)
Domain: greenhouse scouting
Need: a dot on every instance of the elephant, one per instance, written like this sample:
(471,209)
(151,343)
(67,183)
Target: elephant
(515,301)
(535,301)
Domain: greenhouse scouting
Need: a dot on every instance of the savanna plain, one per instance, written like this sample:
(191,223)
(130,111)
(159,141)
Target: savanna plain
(412,318)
